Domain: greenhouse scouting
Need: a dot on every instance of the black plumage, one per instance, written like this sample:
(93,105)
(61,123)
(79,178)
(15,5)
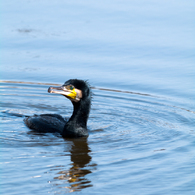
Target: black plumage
(79,92)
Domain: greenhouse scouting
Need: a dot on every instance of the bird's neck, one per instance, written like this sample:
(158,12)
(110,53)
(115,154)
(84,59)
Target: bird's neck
(80,113)
(78,120)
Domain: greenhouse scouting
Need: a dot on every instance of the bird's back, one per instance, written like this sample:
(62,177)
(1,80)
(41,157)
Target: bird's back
(46,123)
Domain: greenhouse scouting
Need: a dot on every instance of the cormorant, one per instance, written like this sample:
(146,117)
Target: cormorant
(79,93)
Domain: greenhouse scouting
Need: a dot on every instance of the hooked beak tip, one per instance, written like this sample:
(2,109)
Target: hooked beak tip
(50,90)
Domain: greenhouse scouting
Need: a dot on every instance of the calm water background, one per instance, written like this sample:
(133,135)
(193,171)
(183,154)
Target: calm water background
(141,53)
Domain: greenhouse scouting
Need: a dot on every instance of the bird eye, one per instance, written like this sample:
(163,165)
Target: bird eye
(71,87)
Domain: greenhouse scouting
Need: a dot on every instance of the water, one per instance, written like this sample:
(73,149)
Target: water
(138,58)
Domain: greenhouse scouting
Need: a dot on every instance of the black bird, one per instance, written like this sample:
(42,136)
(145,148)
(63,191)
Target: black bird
(79,93)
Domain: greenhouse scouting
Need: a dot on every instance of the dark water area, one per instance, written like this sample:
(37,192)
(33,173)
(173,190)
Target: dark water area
(139,60)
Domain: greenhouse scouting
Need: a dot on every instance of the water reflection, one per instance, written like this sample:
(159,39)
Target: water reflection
(76,175)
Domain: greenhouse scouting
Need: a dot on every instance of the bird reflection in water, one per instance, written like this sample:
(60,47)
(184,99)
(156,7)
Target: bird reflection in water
(76,175)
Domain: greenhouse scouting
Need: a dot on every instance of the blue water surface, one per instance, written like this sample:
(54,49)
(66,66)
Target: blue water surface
(138,57)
